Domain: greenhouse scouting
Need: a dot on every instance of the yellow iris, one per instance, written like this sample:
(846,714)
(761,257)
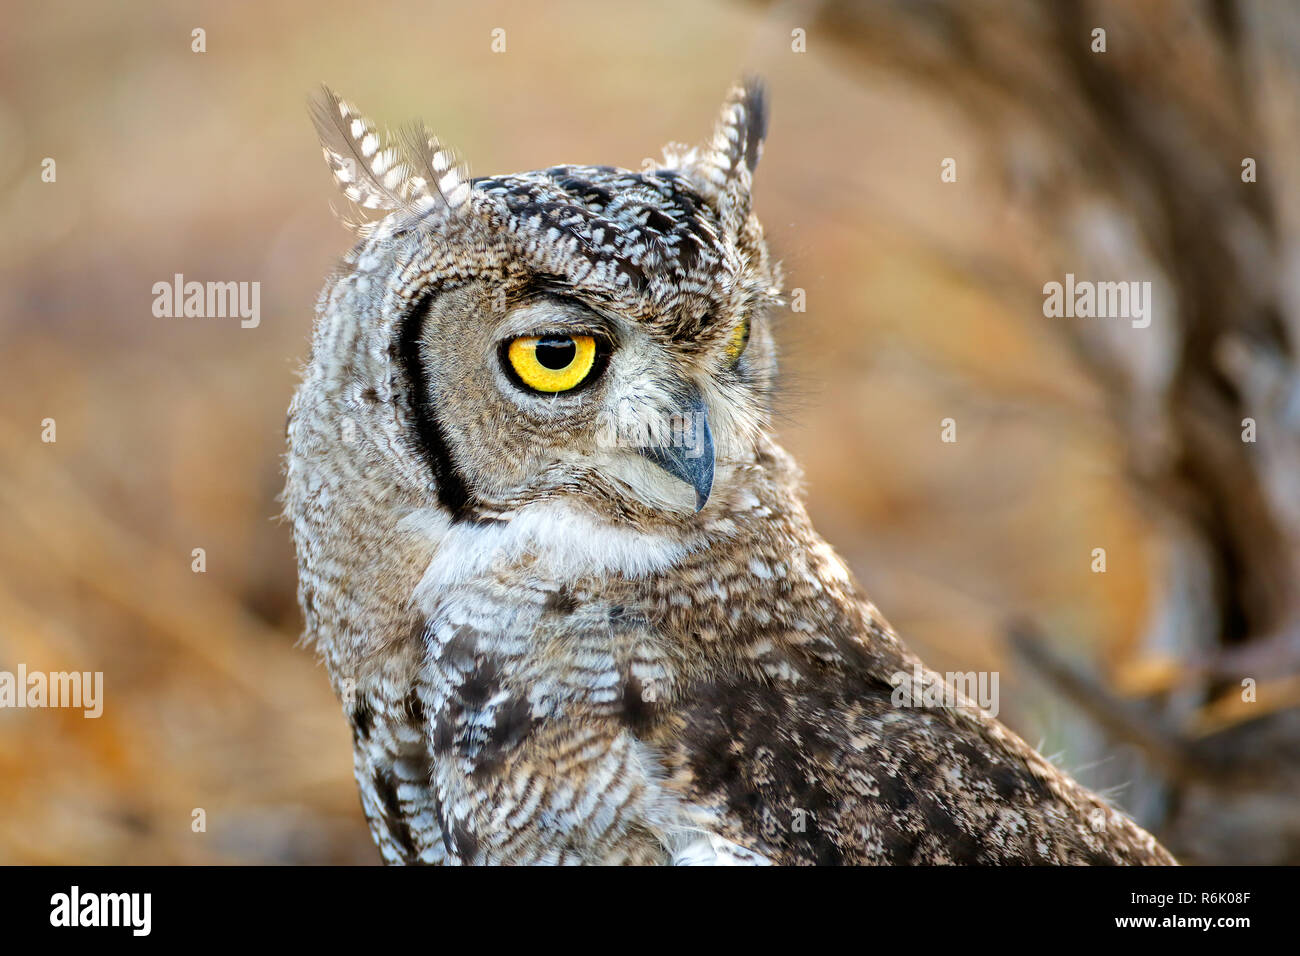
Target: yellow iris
(552,363)
(737,341)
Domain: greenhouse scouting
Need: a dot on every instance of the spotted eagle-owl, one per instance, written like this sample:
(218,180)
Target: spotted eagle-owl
(559,570)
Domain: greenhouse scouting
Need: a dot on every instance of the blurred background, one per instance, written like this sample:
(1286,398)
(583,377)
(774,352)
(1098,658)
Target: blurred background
(924,302)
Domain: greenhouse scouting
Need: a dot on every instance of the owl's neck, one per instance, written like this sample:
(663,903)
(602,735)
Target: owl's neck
(571,539)
(432,568)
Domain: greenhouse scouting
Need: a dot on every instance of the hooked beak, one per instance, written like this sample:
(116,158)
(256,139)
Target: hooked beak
(686,452)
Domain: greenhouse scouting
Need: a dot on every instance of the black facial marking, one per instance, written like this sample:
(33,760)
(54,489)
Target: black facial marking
(431,441)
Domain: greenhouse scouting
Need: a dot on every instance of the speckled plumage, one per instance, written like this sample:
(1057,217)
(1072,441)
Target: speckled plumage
(545,653)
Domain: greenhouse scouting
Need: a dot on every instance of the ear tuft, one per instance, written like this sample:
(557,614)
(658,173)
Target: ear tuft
(723,167)
(442,177)
(368,169)
(752,104)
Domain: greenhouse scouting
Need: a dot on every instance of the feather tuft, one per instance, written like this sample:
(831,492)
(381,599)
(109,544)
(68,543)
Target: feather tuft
(724,165)
(444,178)
(368,169)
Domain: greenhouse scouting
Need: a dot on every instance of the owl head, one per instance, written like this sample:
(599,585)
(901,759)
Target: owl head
(579,332)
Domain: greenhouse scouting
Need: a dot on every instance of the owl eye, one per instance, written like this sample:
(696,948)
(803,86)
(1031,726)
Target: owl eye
(551,363)
(737,341)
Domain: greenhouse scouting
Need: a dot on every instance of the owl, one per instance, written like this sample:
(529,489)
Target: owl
(561,574)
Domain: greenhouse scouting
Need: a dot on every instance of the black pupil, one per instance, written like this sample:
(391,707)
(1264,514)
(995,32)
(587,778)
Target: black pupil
(556,353)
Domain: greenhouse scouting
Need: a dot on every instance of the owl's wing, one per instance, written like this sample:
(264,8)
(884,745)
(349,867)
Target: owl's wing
(825,761)
(393,769)
(805,755)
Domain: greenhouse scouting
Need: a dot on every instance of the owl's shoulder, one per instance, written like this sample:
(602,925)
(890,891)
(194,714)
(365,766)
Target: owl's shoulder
(830,765)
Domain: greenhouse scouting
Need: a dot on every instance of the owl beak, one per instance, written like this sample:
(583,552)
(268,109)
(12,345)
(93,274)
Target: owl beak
(687,451)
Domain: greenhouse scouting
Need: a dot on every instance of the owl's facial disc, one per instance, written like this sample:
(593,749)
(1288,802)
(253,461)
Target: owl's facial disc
(555,397)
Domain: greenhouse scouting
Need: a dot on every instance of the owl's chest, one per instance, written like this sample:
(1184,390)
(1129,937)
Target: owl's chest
(509,652)
(512,614)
